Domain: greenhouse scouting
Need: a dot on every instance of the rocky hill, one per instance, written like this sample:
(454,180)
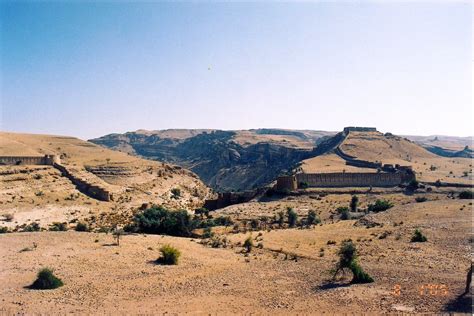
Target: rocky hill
(225,160)
(41,193)
(246,159)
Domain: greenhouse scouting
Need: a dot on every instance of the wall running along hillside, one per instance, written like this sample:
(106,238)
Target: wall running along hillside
(89,189)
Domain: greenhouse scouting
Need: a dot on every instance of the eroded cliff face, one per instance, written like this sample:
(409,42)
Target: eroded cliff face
(219,160)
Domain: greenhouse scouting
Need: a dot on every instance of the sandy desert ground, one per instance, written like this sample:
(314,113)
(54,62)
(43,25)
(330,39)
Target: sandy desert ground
(288,274)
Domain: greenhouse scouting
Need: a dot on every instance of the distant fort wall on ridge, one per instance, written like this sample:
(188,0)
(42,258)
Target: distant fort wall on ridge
(343,179)
(92,190)
(30,160)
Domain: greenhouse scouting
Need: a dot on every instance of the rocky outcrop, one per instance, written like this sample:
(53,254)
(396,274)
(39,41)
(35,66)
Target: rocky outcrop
(215,157)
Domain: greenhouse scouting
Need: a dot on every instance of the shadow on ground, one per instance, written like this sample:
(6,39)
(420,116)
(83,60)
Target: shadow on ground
(461,304)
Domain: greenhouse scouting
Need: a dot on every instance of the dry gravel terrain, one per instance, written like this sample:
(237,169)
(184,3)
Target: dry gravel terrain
(288,275)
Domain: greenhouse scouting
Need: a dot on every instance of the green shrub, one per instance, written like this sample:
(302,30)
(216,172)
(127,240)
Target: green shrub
(33,227)
(418,236)
(81,227)
(292,217)
(169,255)
(46,280)
(354,203)
(223,221)
(359,275)
(380,206)
(158,220)
(345,215)
(413,185)
(467,195)
(176,193)
(3,229)
(202,211)
(348,260)
(281,219)
(312,218)
(58,227)
(342,209)
(207,233)
(248,244)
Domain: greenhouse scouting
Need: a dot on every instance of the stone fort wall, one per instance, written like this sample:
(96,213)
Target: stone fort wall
(343,179)
(30,160)
(90,189)
(349,179)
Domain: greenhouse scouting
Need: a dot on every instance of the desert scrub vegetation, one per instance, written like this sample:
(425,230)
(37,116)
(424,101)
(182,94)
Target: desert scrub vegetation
(348,260)
(466,195)
(159,220)
(413,186)
(169,255)
(81,227)
(3,229)
(312,218)
(418,236)
(379,206)
(33,227)
(354,203)
(292,217)
(175,193)
(58,227)
(248,244)
(46,280)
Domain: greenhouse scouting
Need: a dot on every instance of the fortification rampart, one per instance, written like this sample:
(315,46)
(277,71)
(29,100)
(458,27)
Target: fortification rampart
(30,160)
(349,179)
(84,186)
(359,129)
(344,179)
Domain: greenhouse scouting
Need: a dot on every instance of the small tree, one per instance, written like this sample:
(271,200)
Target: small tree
(418,236)
(169,255)
(354,203)
(348,260)
(46,280)
(292,217)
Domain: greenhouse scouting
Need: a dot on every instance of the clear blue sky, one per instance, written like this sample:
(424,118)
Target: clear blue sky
(89,69)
